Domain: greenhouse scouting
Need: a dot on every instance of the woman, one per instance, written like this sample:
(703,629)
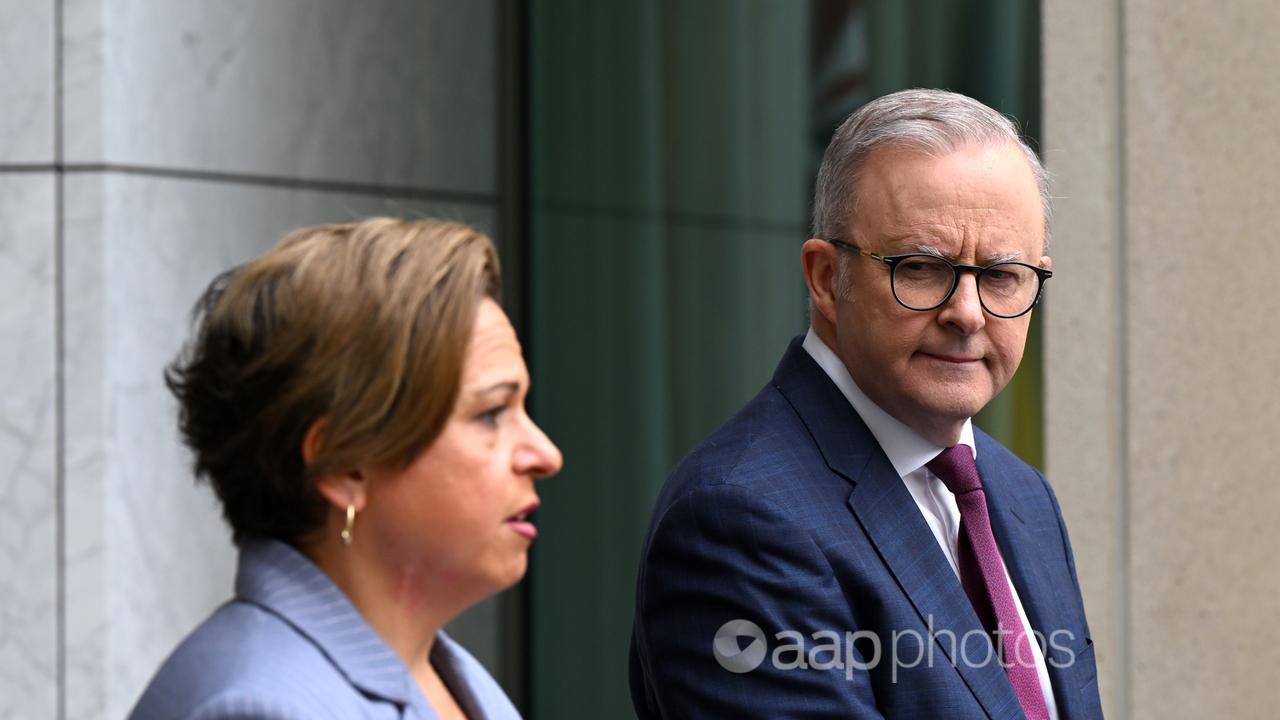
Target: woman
(355,396)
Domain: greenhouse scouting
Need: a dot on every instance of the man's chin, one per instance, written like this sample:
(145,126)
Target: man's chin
(953,405)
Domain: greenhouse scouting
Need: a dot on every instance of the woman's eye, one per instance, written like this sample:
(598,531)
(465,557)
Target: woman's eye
(490,416)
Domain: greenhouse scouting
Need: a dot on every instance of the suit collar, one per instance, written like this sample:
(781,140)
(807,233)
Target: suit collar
(1030,560)
(843,439)
(281,580)
(1009,499)
(884,508)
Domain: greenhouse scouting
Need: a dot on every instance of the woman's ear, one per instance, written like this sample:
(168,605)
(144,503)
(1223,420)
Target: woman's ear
(344,489)
(314,440)
(339,489)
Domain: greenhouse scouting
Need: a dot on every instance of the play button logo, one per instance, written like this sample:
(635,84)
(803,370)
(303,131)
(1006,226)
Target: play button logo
(739,646)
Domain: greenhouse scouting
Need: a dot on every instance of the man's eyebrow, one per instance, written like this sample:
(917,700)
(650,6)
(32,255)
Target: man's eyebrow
(925,248)
(1003,257)
(989,260)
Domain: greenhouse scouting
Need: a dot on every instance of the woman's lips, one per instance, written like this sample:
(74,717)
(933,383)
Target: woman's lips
(521,523)
(523,528)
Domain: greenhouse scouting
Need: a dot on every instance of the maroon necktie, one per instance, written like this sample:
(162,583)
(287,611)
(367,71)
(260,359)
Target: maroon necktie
(983,578)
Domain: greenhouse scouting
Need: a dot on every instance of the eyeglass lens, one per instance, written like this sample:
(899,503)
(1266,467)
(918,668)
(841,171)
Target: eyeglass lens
(922,282)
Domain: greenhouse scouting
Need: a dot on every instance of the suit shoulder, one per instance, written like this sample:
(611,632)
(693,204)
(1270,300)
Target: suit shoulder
(741,450)
(247,704)
(1015,474)
(244,661)
(993,448)
(764,457)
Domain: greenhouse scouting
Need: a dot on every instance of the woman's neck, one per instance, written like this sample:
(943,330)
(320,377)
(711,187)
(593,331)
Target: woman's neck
(393,600)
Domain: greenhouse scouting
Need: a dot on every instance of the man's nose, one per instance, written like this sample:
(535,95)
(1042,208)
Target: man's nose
(963,310)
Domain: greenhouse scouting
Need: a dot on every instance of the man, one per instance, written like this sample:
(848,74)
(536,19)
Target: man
(849,545)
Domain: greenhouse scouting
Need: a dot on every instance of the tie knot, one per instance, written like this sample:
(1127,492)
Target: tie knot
(956,469)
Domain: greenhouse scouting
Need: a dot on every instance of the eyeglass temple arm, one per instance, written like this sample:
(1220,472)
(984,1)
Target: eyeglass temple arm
(855,249)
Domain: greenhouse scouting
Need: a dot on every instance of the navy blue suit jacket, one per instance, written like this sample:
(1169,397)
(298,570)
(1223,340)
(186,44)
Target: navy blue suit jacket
(792,518)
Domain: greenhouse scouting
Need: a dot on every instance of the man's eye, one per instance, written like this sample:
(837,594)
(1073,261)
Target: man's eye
(922,269)
(1004,277)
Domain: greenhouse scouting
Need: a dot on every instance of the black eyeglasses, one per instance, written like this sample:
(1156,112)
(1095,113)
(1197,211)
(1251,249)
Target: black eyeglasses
(925,282)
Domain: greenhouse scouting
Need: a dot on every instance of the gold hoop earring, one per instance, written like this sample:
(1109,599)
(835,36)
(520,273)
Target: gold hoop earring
(351,521)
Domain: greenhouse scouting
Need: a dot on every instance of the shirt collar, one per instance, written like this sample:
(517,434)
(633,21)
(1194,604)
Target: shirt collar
(907,450)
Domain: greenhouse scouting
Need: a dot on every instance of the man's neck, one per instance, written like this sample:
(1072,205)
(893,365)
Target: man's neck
(891,429)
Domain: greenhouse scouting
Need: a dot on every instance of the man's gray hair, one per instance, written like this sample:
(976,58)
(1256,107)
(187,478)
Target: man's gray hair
(937,122)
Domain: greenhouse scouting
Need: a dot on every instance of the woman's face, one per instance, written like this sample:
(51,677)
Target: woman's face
(454,522)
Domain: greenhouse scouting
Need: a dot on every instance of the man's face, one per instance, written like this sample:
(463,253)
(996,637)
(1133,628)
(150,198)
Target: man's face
(976,206)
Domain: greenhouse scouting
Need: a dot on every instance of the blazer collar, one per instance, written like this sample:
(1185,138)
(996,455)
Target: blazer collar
(884,508)
(281,580)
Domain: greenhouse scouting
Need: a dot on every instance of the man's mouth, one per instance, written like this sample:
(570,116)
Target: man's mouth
(957,359)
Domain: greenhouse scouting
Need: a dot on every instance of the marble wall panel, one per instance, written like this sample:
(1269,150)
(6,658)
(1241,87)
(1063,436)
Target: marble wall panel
(26,81)
(148,554)
(28,454)
(393,92)
(85,571)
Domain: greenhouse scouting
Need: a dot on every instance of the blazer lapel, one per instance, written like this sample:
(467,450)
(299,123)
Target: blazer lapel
(281,580)
(887,513)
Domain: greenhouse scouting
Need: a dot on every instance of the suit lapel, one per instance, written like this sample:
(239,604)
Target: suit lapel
(887,513)
(1028,561)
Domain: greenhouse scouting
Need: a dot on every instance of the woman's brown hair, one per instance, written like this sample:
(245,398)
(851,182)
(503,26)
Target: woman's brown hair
(362,326)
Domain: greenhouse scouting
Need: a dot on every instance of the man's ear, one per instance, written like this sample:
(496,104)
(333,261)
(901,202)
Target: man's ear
(339,489)
(1046,262)
(818,260)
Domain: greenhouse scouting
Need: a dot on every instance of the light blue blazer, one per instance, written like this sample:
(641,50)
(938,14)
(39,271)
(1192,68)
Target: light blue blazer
(291,645)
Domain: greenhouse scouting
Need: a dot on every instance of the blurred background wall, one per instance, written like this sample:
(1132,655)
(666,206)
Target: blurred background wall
(645,166)
(672,152)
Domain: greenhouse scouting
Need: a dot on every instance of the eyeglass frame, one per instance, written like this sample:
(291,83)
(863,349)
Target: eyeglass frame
(892,261)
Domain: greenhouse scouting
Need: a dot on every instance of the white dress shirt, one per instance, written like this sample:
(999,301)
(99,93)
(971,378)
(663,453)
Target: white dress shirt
(909,453)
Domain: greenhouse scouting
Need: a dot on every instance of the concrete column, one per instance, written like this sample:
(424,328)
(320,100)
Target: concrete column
(1162,342)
